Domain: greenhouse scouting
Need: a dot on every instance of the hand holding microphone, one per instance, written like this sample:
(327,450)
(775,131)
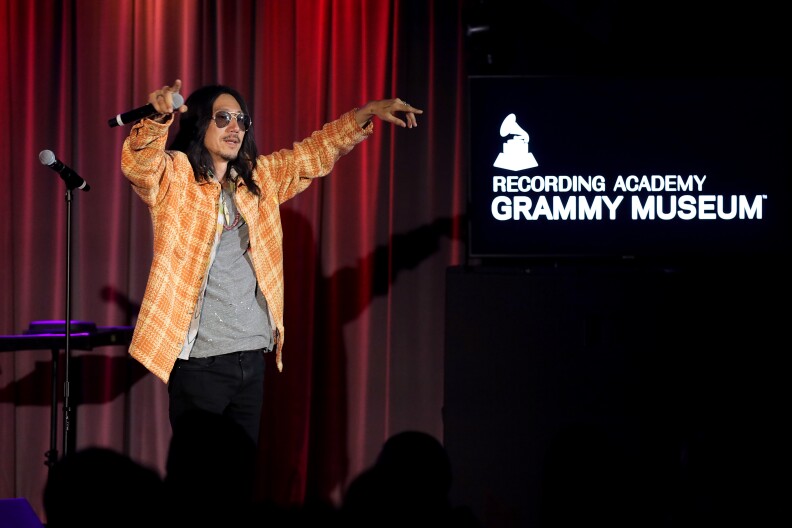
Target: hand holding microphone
(162,101)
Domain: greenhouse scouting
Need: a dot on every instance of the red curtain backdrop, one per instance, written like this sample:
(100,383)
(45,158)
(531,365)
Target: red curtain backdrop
(366,248)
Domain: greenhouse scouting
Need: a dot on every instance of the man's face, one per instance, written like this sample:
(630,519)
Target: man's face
(224,143)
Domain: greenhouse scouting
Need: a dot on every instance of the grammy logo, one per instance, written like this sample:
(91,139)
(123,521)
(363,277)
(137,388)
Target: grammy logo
(515,155)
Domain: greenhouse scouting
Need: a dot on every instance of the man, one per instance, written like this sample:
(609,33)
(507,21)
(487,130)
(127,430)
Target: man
(214,299)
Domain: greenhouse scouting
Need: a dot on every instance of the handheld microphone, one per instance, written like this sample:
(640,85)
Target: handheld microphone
(72,179)
(141,112)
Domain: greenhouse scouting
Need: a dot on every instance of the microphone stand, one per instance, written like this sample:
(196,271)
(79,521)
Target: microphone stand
(72,181)
(52,454)
(66,401)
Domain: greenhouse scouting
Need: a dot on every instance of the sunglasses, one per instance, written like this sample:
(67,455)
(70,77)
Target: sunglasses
(222,119)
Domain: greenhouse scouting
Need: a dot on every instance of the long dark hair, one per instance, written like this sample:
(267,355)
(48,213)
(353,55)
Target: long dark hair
(192,130)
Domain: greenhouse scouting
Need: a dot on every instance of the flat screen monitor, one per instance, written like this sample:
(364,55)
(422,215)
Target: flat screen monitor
(672,168)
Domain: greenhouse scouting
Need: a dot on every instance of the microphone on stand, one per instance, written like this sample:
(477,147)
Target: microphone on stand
(139,113)
(72,179)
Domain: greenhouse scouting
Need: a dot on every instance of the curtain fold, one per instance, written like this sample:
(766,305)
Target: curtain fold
(365,248)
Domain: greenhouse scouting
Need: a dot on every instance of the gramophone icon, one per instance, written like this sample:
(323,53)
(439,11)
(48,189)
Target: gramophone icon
(515,155)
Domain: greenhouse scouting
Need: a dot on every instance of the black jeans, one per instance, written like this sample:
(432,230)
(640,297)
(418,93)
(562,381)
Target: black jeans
(230,384)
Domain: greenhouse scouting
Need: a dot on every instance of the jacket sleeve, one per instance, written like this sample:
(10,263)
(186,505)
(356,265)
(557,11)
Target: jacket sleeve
(144,161)
(292,170)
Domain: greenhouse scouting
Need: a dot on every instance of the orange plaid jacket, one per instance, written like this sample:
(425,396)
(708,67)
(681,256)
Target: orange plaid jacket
(184,218)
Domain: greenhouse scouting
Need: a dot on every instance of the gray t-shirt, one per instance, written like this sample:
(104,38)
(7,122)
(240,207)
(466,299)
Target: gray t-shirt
(234,315)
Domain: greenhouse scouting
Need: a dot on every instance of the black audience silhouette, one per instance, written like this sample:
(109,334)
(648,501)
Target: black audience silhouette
(209,481)
(209,472)
(98,487)
(408,485)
